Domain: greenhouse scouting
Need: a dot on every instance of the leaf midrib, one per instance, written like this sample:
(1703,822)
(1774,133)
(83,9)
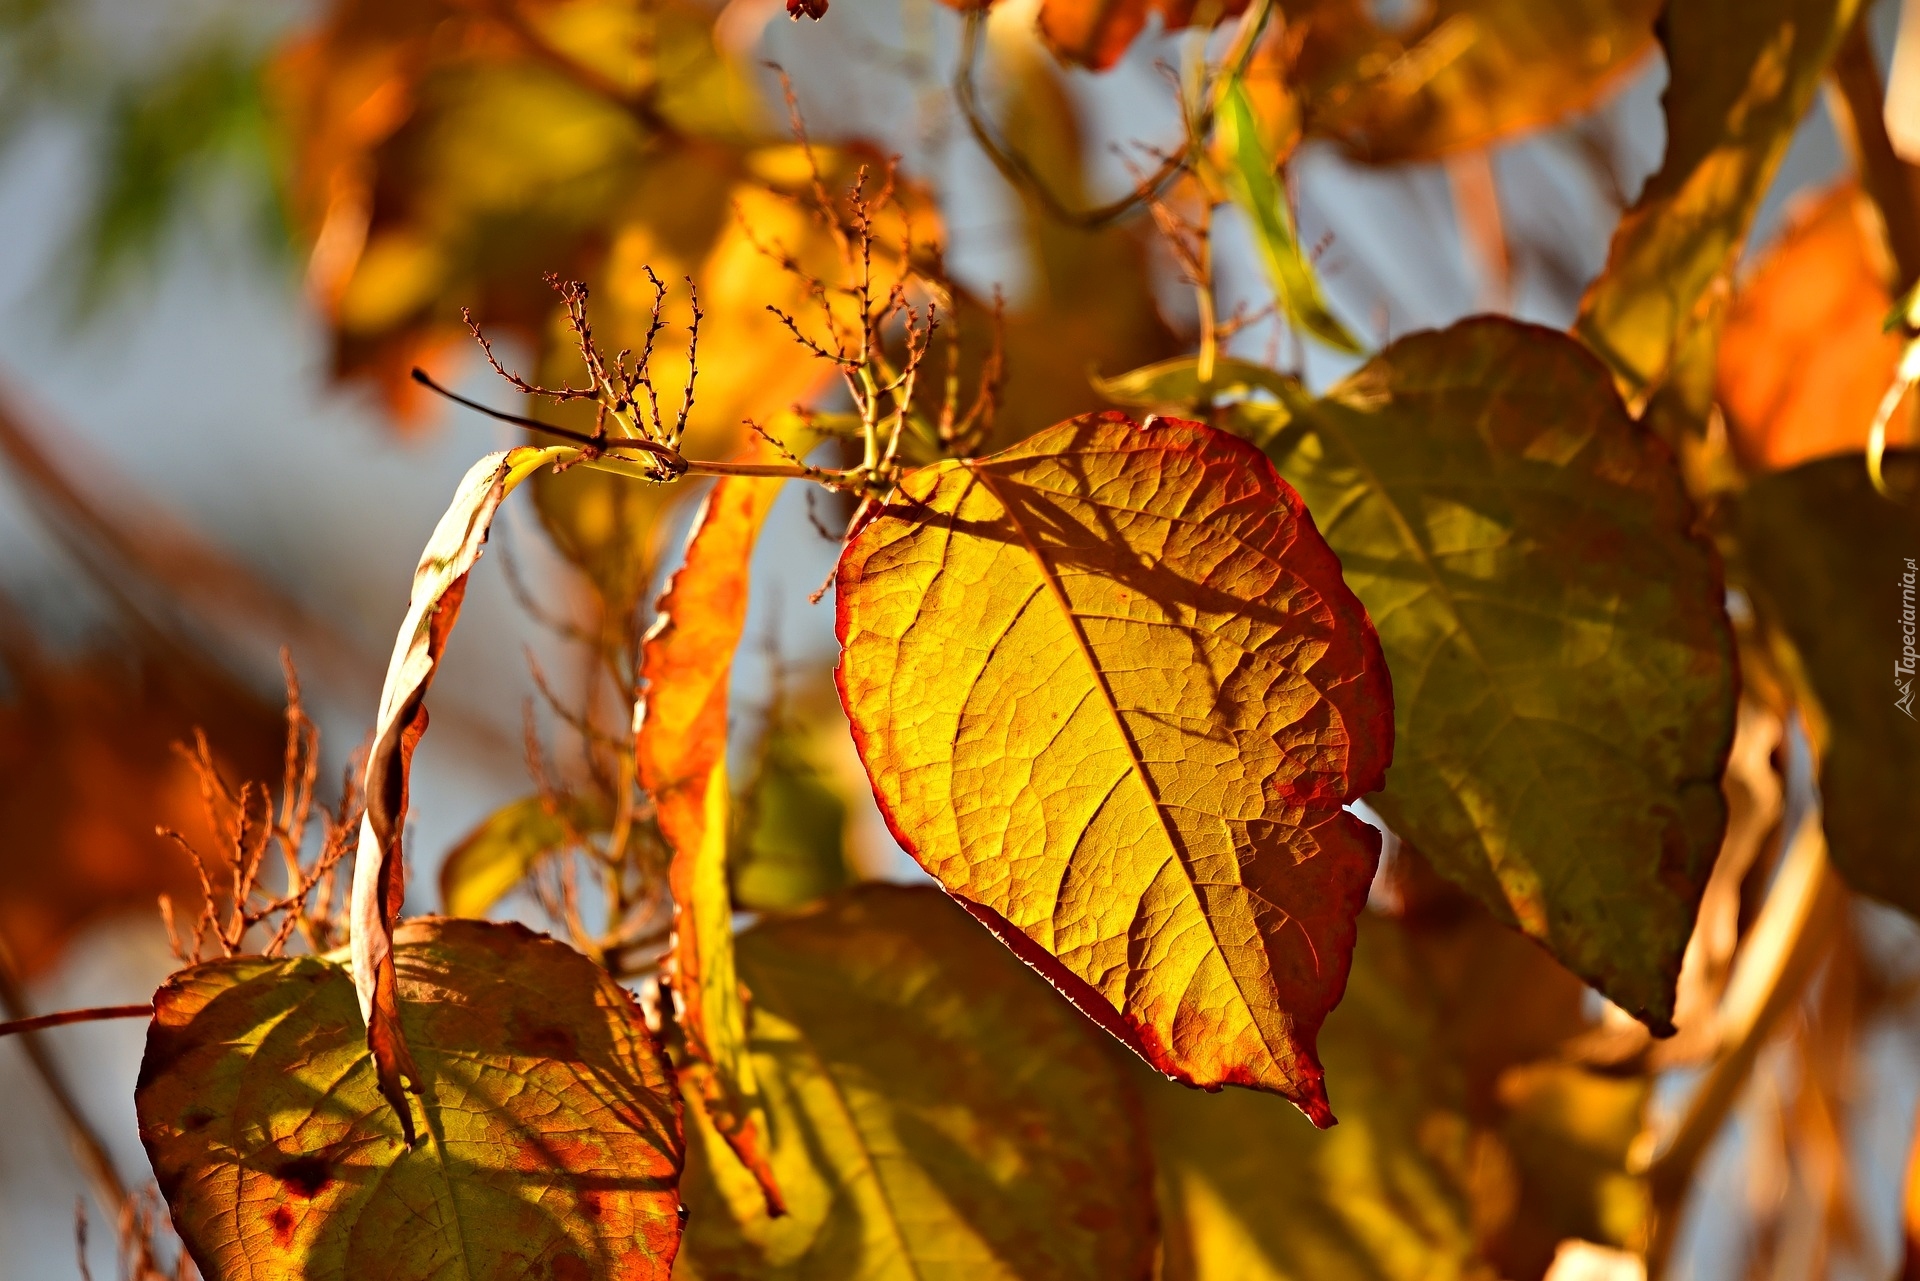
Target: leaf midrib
(1139,769)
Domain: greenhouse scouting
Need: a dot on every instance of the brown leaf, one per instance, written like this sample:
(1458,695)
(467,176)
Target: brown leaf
(1112,691)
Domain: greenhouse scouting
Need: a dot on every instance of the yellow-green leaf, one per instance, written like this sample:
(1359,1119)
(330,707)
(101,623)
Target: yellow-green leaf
(379,865)
(1174,385)
(1251,180)
(507,845)
(937,1113)
(551,1125)
(1562,658)
(790,847)
(1111,690)
(1741,75)
(1253,1193)
(1833,563)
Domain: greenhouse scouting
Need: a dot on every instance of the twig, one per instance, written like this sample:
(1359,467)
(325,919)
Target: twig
(94,1014)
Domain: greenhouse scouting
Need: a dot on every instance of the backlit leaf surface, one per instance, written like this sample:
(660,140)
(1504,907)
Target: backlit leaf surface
(1253,1193)
(1111,691)
(938,1113)
(1806,357)
(680,747)
(379,866)
(1834,563)
(1562,659)
(551,1130)
(1741,75)
(1462,74)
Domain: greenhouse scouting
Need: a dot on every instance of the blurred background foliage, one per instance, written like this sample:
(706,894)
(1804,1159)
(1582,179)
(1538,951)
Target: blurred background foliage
(376,166)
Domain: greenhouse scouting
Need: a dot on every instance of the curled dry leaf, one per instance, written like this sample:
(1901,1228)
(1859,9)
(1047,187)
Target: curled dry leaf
(1562,655)
(379,869)
(1112,692)
(937,1113)
(680,750)
(1805,356)
(552,1137)
(1742,74)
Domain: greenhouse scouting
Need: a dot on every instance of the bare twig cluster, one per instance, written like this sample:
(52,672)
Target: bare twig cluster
(143,1225)
(249,825)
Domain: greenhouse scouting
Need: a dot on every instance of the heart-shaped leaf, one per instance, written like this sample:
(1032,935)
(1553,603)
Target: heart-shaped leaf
(1562,658)
(1111,690)
(550,1121)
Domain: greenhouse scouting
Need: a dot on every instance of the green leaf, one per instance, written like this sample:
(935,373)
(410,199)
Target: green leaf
(1561,656)
(1832,562)
(1253,1193)
(790,847)
(936,1112)
(1251,182)
(550,1122)
(1174,385)
(498,854)
(1742,73)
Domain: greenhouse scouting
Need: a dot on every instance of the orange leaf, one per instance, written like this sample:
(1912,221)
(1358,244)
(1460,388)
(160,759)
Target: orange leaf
(680,748)
(379,870)
(1804,358)
(1095,33)
(1111,690)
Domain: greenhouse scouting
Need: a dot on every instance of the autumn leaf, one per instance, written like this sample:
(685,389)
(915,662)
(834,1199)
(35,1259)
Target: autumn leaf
(1562,657)
(1742,73)
(680,746)
(1095,33)
(1805,358)
(1249,176)
(790,844)
(1112,693)
(551,1124)
(1462,75)
(988,1133)
(1830,562)
(1252,1194)
(507,845)
(379,867)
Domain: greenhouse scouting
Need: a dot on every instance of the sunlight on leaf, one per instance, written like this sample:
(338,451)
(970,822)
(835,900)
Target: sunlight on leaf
(1254,1194)
(680,745)
(551,1139)
(1562,659)
(1742,74)
(1805,357)
(1111,691)
(987,1134)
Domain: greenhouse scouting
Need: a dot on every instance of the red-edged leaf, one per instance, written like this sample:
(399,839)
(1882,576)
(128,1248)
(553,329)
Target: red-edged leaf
(1111,690)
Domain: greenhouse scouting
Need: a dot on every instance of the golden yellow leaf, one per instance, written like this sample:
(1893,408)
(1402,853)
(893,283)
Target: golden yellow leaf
(1112,692)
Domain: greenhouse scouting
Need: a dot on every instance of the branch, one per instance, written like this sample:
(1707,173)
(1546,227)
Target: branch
(1888,180)
(91,1015)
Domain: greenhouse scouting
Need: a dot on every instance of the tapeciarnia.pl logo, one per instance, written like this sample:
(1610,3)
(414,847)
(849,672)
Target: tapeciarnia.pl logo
(1904,665)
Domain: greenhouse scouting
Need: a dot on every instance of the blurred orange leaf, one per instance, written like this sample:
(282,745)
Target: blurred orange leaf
(1112,692)
(1804,357)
